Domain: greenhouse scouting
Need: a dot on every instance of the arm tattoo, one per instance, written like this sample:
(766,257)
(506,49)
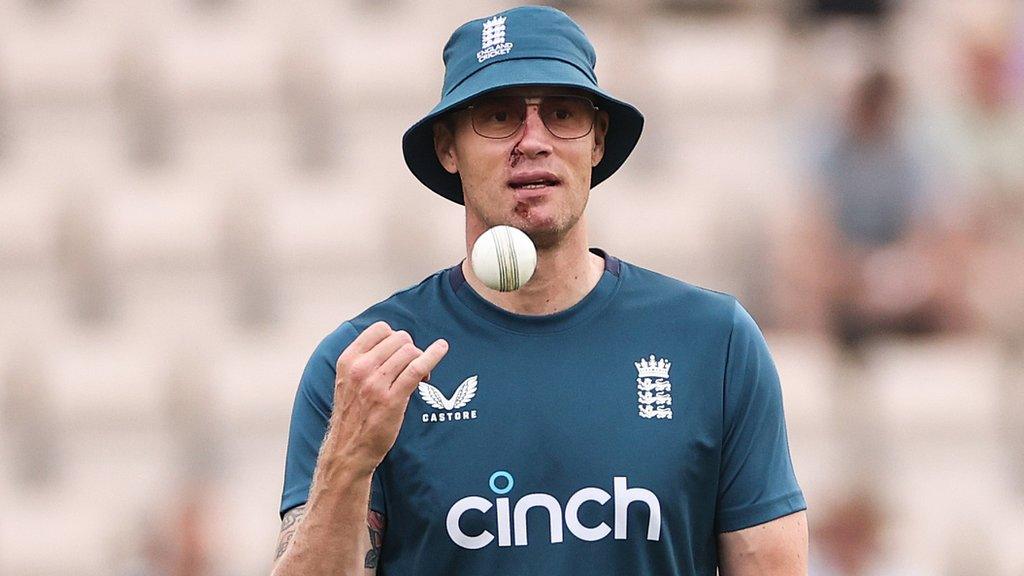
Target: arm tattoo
(375,524)
(289,523)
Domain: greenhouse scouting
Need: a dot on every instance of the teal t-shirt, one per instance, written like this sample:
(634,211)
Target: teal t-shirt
(619,436)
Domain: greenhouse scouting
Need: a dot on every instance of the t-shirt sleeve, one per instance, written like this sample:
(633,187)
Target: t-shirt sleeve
(756,479)
(314,401)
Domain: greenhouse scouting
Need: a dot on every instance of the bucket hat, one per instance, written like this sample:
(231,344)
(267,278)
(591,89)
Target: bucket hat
(525,46)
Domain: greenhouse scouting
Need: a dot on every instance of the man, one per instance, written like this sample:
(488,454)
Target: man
(603,419)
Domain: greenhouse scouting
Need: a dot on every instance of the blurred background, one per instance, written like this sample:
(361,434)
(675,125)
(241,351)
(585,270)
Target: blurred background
(194,192)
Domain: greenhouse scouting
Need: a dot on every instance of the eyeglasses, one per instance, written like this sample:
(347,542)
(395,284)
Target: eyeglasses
(566,117)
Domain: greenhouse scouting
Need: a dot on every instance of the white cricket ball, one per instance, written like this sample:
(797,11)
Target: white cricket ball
(504,258)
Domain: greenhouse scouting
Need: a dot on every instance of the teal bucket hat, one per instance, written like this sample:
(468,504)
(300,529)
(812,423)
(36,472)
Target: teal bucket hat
(526,46)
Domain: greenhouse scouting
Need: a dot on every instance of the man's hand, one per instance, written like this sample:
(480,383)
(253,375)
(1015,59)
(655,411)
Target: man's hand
(376,375)
(333,533)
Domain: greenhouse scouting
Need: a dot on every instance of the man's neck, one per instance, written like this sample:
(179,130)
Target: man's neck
(565,274)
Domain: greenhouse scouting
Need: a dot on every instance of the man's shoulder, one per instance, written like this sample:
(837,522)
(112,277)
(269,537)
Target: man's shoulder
(406,305)
(402,310)
(660,289)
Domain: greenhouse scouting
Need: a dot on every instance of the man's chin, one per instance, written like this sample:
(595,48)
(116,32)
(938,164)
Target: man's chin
(544,234)
(543,239)
(545,230)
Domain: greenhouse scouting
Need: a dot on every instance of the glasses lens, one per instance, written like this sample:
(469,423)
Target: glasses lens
(567,116)
(498,117)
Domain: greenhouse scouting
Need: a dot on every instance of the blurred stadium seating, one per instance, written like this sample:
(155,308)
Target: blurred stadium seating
(193,193)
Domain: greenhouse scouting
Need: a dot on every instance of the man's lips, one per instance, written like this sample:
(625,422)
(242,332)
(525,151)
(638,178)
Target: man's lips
(533,180)
(527,186)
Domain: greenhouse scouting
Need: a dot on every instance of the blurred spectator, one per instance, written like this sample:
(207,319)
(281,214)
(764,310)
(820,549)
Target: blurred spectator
(1017,57)
(848,540)
(991,137)
(988,150)
(176,543)
(875,254)
(190,536)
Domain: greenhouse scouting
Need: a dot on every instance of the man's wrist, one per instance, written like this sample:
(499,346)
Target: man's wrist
(345,469)
(338,487)
(338,454)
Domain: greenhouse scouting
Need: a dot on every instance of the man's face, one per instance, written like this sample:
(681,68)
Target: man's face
(532,180)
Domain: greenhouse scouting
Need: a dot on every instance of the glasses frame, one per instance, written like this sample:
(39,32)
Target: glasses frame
(536,102)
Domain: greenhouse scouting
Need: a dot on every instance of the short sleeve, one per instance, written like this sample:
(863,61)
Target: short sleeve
(756,479)
(314,401)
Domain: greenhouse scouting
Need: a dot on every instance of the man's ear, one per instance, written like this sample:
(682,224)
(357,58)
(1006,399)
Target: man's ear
(444,145)
(600,131)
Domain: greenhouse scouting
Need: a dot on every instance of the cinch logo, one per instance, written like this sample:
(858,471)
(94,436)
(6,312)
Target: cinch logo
(511,520)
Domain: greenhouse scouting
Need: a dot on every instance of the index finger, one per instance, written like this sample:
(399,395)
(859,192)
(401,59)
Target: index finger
(367,339)
(419,368)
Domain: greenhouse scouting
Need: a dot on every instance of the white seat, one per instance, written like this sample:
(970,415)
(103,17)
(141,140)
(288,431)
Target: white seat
(807,365)
(940,386)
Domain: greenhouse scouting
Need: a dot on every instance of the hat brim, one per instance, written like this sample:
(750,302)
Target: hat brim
(625,123)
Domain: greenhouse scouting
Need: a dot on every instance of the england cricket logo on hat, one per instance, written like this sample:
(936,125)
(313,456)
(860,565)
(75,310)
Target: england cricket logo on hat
(493,39)
(451,408)
(653,389)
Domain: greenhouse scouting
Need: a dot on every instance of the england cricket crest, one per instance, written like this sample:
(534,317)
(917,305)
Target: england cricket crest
(653,389)
(492,39)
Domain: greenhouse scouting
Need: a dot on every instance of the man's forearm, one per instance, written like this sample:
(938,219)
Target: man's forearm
(374,378)
(331,538)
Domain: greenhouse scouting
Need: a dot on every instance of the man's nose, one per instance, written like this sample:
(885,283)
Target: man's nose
(534,139)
